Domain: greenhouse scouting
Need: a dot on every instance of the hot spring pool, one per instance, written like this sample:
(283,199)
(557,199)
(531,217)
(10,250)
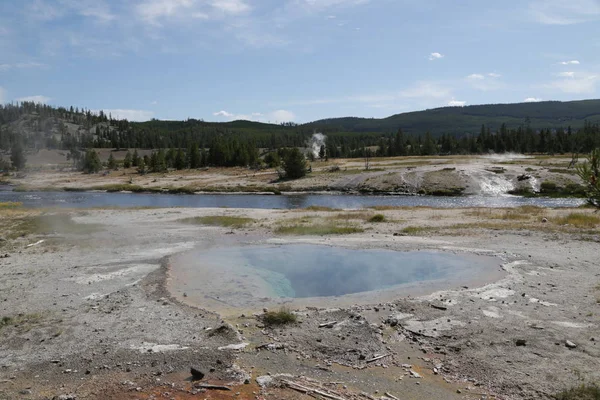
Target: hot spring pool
(303,274)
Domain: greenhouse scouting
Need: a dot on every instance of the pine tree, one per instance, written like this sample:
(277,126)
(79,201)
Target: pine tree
(141,166)
(194,157)
(294,164)
(180,162)
(135,160)
(127,160)
(112,164)
(91,162)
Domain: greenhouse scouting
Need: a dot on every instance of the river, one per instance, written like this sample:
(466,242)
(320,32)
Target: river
(262,201)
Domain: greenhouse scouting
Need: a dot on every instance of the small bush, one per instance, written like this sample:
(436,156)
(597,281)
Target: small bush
(281,317)
(548,186)
(377,218)
(583,392)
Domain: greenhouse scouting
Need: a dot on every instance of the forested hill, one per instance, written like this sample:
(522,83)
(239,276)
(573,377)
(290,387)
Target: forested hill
(462,120)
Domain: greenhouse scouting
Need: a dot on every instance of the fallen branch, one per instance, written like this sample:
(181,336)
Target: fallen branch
(213,387)
(328,324)
(377,358)
(391,396)
(309,391)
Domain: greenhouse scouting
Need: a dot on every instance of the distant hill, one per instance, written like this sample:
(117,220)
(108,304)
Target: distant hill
(462,120)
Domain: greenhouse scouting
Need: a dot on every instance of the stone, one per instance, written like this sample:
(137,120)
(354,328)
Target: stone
(544,220)
(570,344)
(264,381)
(521,342)
(65,397)
(197,374)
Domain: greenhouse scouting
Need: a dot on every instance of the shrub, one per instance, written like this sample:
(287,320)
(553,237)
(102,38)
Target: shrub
(583,392)
(589,172)
(281,317)
(377,218)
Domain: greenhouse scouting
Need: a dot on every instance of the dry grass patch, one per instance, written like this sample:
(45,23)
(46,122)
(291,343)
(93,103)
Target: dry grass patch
(318,208)
(226,221)
(317,226)
(8,205)
(579,220)
(583,392)
(22,321)
(47,224)
(415,230)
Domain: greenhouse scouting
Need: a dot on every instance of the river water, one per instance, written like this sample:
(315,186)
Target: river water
(263,201)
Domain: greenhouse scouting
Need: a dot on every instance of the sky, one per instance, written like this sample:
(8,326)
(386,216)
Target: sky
(295,60)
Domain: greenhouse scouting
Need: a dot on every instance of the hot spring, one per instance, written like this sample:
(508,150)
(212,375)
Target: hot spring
(257,276)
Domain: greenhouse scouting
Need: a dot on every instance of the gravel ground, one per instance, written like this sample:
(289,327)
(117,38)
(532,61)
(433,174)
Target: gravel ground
(92,316)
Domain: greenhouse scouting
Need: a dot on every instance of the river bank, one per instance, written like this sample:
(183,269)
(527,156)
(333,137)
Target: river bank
(100,318)
(439,176)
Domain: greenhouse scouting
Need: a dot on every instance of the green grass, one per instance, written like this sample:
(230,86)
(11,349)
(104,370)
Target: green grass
(281,317)
(583,392)
(377,218)
(220,220)
(579,220)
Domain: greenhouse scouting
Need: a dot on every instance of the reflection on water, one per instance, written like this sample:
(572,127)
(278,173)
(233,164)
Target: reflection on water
(90,199)
(253,276)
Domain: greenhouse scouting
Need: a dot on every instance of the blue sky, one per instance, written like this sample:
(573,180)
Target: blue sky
(295,60)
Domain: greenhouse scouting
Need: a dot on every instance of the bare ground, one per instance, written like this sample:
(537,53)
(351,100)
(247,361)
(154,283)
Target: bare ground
(89,313)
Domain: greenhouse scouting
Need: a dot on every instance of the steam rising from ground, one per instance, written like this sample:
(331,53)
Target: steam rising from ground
(315,142)
(506,156)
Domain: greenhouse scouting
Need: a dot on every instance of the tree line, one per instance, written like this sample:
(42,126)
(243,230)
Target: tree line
(238,143)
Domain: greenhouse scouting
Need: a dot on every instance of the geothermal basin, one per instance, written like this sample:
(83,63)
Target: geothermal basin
(252,277)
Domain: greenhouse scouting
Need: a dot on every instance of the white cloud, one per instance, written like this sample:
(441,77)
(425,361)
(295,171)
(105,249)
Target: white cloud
(276,116)
(456,103)
(571,62)
(435,56)
(476,77)
(486,82)
(151,10)
(154,102)
(223,113)
(36,99)
(22,65)
(426,90)
(581,83)
(561,12)
(45,10)
(2,95)
(568,74)
(282,116)
(532,100)
(130,115)
(230,6)
(318,5)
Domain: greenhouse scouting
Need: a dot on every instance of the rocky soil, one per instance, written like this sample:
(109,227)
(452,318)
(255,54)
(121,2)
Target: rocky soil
(89,316)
